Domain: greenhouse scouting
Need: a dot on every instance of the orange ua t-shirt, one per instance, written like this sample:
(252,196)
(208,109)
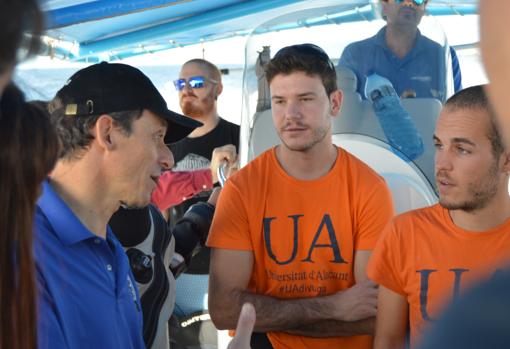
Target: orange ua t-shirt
(426,258)
(303,234)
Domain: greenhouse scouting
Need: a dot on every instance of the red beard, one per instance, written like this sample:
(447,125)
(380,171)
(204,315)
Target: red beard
(198,108)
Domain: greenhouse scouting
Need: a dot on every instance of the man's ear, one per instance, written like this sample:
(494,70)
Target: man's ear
(218,89)
(102,132)
(505,159)
(335,102)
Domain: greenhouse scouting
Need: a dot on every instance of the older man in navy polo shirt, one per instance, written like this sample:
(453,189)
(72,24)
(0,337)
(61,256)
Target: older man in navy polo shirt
(114,126)
(413,63)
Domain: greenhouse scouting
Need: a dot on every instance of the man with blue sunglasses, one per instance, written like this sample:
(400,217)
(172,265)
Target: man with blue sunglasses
(412,62)
(199,86)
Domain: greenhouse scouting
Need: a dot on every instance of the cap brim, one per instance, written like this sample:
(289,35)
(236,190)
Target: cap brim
(179,126)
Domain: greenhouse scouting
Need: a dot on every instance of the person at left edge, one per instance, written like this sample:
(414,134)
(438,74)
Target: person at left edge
(113,126)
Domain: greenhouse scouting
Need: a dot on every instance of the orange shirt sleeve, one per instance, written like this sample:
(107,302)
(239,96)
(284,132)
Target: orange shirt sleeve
(375,211)
(386,262)
(230,225)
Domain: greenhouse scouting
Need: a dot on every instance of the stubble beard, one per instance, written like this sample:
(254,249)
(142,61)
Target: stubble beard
(318,136)
(481,193)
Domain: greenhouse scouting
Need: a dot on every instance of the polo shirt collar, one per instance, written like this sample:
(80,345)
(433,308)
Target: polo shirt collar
(380,38)
(67,226)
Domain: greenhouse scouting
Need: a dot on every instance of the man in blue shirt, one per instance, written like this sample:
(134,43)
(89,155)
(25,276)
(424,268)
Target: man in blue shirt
(113,127)
(415,65)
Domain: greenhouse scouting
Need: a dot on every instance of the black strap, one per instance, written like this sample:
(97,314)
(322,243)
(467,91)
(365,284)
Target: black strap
(260,341)
(155,296)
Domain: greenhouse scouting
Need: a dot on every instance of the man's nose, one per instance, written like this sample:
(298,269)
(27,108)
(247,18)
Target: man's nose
(187,86)
(292,110)
(442,160)
(166,158)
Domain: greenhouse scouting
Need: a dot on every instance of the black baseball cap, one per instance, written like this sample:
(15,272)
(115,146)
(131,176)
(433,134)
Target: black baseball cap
(112,87)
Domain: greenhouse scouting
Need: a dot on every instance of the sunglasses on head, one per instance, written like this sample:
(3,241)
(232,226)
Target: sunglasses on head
(416,2)
(193,82)
(307,49)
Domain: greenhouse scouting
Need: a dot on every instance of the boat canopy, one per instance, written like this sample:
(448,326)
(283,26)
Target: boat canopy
(94,30)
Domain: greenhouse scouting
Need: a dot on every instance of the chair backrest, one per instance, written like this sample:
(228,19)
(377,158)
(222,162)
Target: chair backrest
(359,118)
(263,134)
(357,129)
(409,187)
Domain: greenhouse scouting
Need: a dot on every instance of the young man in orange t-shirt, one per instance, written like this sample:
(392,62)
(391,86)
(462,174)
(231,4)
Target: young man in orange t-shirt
(480,319)
(426,257)
(294,229)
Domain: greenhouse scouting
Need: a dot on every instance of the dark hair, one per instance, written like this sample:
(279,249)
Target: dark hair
(307,58)
(74,131)
(28,151)
(474,97)
(19,18)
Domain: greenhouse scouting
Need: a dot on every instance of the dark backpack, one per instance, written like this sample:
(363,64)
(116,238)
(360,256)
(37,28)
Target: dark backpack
(149,246)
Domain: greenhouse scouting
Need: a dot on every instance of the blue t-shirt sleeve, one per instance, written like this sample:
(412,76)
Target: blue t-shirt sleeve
(49,331)
(346,58)
(457,76)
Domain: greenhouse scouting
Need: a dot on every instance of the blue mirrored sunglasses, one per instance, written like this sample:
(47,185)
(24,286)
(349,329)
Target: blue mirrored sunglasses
(417,2)
(193,82)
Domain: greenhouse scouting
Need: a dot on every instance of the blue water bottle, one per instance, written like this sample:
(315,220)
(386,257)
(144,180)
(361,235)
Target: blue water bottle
(396,123)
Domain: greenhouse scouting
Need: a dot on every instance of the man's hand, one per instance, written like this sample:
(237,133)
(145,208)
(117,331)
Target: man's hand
(227,154)
(355,303)
(244,328)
